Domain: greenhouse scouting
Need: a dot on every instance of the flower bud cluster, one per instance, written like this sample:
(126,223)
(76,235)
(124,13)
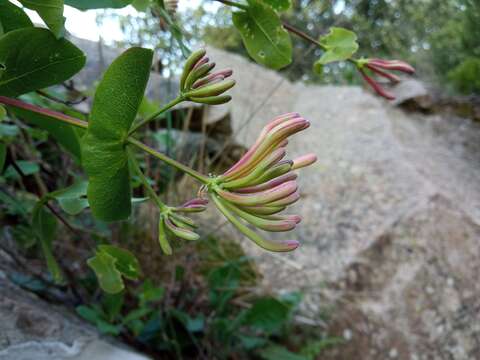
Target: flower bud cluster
(173,223)
(382,68)
(200,85)
(262,184)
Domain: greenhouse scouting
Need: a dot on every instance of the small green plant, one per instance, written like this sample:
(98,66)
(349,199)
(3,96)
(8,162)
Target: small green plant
(218,317)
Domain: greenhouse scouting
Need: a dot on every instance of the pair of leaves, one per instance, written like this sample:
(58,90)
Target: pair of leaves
(51,12)
(110,263)
(12,17)
(263,35)
(33,58)
(98,4)
(340,44)
(104,155)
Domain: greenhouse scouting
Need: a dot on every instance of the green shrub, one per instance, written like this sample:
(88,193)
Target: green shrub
(466,76)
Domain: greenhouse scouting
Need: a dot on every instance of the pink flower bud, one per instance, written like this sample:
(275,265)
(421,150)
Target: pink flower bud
(392,65)
(303,161)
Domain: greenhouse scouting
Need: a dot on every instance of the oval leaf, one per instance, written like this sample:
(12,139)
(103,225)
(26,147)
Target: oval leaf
(267,42)
(108,276)
(33,58)
(51,11)
(115,106)
(126,262)
(72,199)
(98,4)
(12,17)
(340,44)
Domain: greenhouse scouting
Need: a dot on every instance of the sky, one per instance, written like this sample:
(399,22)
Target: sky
(82,23)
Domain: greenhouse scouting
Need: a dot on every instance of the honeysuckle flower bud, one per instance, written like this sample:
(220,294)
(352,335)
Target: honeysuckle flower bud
(262,184)
(381,68)
(200,85)
(303,161)
(171,223)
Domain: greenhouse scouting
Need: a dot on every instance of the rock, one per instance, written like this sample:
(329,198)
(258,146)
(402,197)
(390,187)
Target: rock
(35,330)
(391,229)
(412,92)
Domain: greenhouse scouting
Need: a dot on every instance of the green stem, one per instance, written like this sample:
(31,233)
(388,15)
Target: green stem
(233,4)
(83,124)
(144,180)
(171,104)
(195,174)
(47,112)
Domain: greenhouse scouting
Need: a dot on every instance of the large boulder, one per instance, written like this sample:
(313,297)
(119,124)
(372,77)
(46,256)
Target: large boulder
(391,230)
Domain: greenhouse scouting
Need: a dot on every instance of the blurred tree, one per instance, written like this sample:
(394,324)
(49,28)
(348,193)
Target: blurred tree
(435,36)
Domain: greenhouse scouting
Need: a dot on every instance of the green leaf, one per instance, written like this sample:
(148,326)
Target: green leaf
(340,44)
(126,262)
(26,167)
(97,4)
(191,324)
(3,155)
(65,134)
(278,5)
(51,11)
(267,42)
(33,58)
(12,17)
(7,130)
(113,303)
(72,199)
(45,226)
(277,352)
(3,113)
(267,314)
(108,276)
(141,5)
(88,313)
(104,156)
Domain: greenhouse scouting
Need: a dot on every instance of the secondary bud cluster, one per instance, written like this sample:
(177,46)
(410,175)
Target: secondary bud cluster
(172,223)
(262,184)
(381,68)
(200,85)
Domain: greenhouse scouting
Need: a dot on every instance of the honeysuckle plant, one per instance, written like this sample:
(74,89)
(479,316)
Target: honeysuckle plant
(106,142)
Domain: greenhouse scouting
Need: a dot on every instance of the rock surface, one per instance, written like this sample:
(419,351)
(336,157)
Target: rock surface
(33,329)
(391,230)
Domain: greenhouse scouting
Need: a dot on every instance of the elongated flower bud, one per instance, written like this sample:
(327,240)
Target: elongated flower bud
(180,232)
(211,90)
(212,100)
(303,161)
(263,209)
(197,73)
(280,246)
(274,225)
(381,68)
(271,141)
(265,164)
(245,158)
(268,184)
(162,237)
(189,65)
(287,200)
(261,198)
